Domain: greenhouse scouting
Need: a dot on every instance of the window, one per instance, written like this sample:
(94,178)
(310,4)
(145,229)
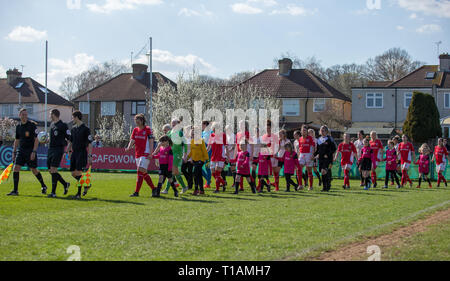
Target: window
(374,100)
(29,108)
(291,107)
(108,108)
(430,75)
(84,107)
(138,107)
(9,110)
(19,85)
(447,100)
(407,100)
(319,105)
(43,90)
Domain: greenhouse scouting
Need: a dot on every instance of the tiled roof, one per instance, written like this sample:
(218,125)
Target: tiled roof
(30,91)
(300,83)
(124,87)
(418,79)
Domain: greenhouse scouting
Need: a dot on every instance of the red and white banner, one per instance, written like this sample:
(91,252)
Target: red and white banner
(111,159)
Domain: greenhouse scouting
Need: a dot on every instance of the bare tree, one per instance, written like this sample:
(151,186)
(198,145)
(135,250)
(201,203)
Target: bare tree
(391,65)
(240,77)
(71,87)
(332,117)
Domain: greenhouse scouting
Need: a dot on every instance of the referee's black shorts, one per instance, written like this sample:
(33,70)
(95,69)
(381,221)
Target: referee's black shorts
(324,164)
(23,159)
(54,156)
(78,161)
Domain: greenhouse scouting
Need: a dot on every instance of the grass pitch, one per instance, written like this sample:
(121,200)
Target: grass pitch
(109,225)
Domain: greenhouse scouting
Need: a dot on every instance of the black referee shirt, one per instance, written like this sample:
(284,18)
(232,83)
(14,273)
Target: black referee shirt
(80,137)
(26,134)
(59,133)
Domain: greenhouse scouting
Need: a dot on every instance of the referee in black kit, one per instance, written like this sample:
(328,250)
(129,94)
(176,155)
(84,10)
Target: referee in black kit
(79,142)
(326,148)
(25,151)
(59,134)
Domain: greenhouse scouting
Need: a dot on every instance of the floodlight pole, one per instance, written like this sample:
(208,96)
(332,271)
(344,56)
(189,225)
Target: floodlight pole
(46,88)
(151,83)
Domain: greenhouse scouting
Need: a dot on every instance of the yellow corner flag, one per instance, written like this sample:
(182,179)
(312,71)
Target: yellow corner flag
(87,178)
(6,173)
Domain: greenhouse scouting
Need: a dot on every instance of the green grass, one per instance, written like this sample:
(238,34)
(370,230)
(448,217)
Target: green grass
(431,245)
(108,225)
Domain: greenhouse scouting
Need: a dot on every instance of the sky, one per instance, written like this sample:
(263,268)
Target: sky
(216,37)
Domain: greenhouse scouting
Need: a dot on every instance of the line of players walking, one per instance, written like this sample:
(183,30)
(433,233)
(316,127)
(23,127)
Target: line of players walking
(254,158)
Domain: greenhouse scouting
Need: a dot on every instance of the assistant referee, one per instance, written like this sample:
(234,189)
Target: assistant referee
(80,142)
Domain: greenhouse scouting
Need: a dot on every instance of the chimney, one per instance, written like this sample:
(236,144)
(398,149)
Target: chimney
(13,75)
(444,63)
(139,71)
(285,67)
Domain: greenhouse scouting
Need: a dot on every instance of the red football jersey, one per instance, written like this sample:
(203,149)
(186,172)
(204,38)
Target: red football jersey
(218,147)
(306,145)
(376,146)
(348,152)
(439,154)
(141,143)
(239,139)
(406,150)
(269,140)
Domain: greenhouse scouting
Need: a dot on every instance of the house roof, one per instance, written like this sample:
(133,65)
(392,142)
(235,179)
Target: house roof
(418,78)
(378,84)
(124,87)
(300,83)
(30,91)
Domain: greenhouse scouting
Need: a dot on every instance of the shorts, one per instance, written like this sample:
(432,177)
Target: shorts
(142,162)
(374,164)
(243,175)
(164,171)
(177,160)
(274,161)
(346,166)
(78,161)
(306,159)
(440,167)
(54,156)
(324,164)
(23,158)
(366,164)
(405,166)
(215,165)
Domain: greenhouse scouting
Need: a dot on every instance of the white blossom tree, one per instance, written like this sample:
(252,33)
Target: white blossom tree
(6,128)
(114,131)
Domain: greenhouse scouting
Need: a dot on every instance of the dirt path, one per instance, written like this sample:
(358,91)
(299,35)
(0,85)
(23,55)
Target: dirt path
(358,251)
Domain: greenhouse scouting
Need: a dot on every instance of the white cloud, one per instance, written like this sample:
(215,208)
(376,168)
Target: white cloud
(244,8)
(429,28)
(440,8)
(118,5)
(26,34)
(203,12)
(413,16)
(399,27)
(267,3)
(59,69)
(171,65)
(293,10)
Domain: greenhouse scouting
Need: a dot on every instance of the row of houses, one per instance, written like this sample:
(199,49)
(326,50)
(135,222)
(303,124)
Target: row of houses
(304,96)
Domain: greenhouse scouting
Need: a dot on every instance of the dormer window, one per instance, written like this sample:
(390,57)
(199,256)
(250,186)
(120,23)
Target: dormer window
(430,75)
(19,85)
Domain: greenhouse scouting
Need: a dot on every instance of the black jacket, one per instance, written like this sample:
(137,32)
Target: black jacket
(325,147)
